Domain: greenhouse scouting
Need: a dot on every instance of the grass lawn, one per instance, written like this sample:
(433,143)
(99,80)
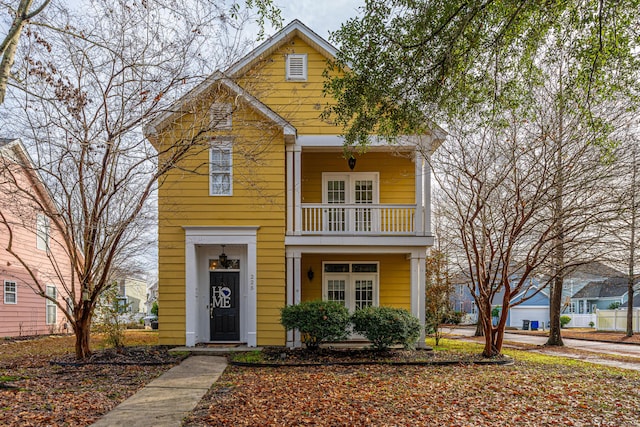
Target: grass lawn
(537,390)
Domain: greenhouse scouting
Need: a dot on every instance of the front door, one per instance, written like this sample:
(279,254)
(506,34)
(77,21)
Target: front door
(224,306)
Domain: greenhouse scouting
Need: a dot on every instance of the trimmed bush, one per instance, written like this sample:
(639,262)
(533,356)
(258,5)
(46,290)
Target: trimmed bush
(386,326)
(317,321)
(564,321)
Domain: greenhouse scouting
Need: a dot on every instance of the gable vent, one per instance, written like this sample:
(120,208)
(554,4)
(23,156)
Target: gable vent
(297,67)
(220,116)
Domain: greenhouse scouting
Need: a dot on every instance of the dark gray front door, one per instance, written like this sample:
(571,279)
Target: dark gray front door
(224,306)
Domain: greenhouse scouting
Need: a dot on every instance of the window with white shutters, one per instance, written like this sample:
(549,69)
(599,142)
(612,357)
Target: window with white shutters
(297,67)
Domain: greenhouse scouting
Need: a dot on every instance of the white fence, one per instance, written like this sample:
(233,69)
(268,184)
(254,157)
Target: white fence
(581,320)
(616,320)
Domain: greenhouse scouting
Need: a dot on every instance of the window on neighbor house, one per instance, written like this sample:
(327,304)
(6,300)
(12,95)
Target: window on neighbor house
(220,168)
(10,292)
(355,285)
(220,115)
(52,309)
(297,67)
(42,232)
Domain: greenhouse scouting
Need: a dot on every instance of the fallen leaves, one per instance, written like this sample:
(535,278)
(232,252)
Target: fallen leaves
(45,394)
(524,394)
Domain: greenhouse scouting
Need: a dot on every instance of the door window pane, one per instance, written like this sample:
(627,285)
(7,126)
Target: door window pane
(336,291)
(364,293)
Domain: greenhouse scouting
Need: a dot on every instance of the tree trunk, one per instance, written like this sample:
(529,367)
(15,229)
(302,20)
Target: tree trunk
(555,336)
(555,302)
(479,328)
(632,247)
(82,330)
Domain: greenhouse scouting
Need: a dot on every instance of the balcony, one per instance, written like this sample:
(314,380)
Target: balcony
(357,219)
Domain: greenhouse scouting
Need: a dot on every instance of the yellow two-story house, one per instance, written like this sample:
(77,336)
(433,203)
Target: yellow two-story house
(268,210)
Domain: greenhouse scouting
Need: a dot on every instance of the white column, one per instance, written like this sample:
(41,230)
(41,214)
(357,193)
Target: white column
(290,193)
(252,300)
(191,285)
(418,283)
(426,174)
(297,290)
(297,189)
(420,207)
(290,287)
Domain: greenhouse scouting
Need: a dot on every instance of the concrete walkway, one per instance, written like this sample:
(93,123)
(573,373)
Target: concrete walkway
(165,401)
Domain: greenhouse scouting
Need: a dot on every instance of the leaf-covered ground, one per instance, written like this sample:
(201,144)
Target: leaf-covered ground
(538,390)
(34,392)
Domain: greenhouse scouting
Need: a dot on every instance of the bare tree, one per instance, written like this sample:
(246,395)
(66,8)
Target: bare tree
(500,186)
(21,13)
(85,113)
(623,233)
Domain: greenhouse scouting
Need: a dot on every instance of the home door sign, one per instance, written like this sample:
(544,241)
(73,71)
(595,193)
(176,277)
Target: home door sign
(224,307)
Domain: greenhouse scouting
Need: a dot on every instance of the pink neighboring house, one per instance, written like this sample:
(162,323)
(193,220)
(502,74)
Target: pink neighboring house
(22,311)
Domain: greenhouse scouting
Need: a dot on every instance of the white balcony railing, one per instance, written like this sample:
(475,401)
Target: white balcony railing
(357,219)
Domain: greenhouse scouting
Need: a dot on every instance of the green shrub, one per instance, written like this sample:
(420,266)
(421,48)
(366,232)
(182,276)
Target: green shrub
(564,321)
(317,321)
(385,326)
(615,305)
(154,308)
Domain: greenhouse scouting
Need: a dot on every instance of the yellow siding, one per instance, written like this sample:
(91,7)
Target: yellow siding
(394,276)
(258,200)
(300,103)
(397,172)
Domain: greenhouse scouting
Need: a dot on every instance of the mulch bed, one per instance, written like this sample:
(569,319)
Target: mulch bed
(282,356)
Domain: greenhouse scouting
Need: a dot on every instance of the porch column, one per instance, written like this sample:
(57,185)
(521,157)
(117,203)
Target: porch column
(426,177)
(294,284)
(290,193)
(290,292)
(297,189)
(420,207)
(418,283)
(297,285)
(190,302)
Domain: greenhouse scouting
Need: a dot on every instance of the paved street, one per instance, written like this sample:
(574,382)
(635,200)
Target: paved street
(597,347)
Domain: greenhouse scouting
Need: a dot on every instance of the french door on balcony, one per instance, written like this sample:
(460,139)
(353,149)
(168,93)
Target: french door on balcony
(350,189)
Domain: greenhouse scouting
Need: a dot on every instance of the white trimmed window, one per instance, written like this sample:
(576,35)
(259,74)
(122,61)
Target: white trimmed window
(354,284)
(52,309)
(220,115)
(10,292)
(42,232)
(221,168)
(297,66)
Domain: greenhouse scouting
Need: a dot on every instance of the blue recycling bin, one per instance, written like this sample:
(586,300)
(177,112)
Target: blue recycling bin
(534,325)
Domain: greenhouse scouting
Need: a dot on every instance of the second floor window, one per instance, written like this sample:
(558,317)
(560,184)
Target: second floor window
(42,232)
(220,169)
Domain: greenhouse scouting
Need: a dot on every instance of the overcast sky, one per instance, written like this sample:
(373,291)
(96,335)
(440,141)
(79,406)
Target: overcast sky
(322,16)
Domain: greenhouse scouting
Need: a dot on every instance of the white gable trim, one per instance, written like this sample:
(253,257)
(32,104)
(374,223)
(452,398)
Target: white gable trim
(295,27)
(182,106)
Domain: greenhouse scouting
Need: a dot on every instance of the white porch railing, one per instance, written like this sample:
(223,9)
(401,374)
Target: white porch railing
(581,320)
(616,320)
(357,219)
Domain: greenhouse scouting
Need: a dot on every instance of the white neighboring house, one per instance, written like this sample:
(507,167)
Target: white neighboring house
(132,294)
(152,296)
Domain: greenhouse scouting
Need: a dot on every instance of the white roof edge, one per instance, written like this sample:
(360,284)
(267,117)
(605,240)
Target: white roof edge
(276,39)
(156,125)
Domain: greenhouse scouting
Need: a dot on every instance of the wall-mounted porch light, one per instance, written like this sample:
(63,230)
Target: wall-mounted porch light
(310,274)
(352,162)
